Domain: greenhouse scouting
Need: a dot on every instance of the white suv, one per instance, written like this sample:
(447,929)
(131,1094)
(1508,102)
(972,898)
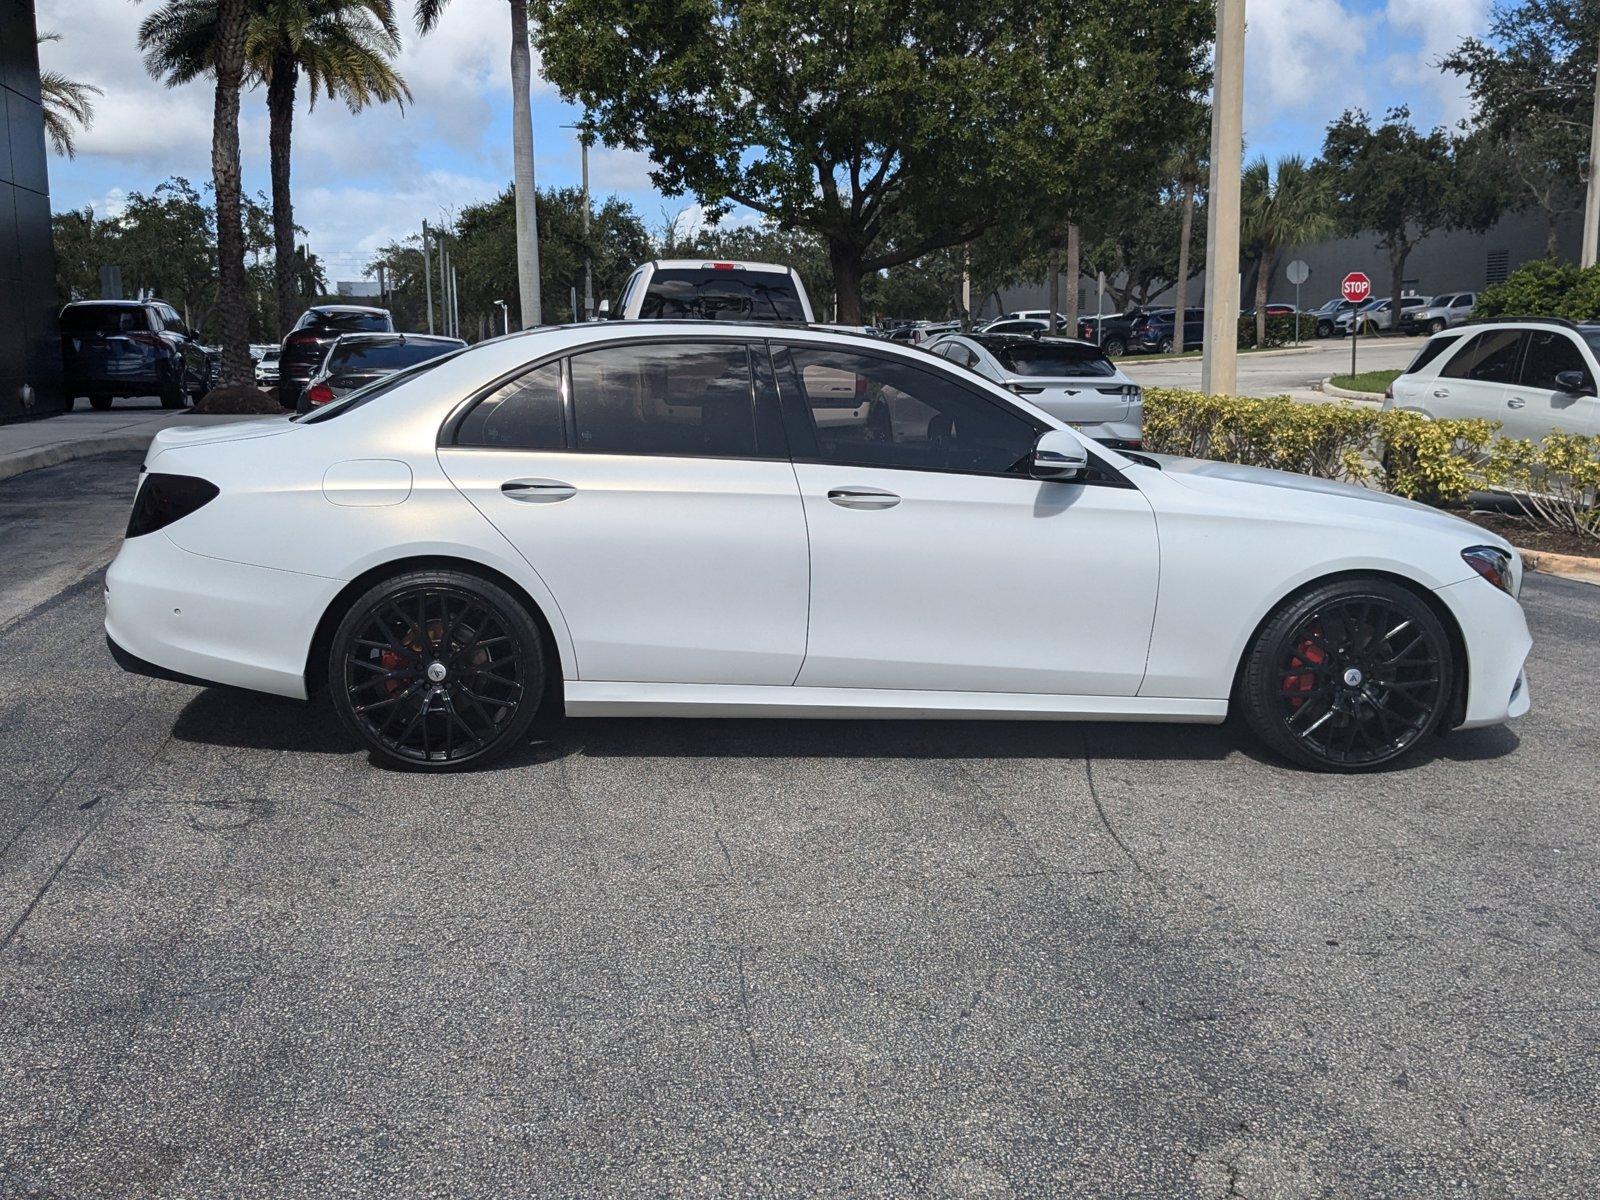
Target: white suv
(1531,375)
(679,288)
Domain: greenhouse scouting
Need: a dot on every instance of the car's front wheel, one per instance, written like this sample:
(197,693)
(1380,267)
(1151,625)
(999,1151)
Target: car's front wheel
(1435,326)
(437,671)
(1350,676)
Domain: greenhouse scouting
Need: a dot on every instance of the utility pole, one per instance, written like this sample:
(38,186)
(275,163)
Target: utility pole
(444,285)
(1219,364)
(966,288)
(1591,201)
(585,130)
(427,275)
(455,300)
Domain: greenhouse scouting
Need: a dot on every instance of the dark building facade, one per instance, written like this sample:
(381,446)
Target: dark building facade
(30,347)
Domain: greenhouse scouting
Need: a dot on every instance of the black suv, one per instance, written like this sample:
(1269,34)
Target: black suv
(1112,332)
(316,330)
(358,359)
(112,348)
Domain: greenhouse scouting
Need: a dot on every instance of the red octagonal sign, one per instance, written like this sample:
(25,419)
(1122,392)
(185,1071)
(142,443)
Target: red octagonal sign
(1356,287)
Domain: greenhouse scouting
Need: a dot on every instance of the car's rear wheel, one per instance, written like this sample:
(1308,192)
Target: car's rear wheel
(437,671)
(1114,347)
(1164,346)
(1324,329)
(1350,676)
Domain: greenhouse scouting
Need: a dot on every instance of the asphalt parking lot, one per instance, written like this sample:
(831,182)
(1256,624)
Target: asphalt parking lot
(776,958)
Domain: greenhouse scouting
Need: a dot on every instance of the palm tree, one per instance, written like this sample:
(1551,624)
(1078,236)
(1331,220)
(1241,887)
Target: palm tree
(1282,209)
(428,12)
(66,104)
(1188,168)
(344,48)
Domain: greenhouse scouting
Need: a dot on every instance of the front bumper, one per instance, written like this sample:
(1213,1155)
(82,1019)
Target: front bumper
(208,620)
(1495,631)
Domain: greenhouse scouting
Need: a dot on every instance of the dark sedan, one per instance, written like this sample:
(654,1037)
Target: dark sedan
(358,359)
(316,330)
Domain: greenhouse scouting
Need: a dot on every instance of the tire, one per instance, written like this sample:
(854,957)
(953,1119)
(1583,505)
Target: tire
(172,395)
(406,671)
(1436,326)
(1350,676)
(1324,329)
(100,403)
(1164,346)
(1114,347)
(68,403)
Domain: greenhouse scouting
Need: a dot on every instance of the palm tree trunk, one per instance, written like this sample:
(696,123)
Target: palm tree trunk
(1185,236)
(1263,282)
(522,173)
(280,115)
(1074,270)
(233,317)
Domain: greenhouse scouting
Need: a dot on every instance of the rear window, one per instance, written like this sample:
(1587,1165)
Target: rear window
(385,356)
(1046,360)
(712,295)
(346,322)
(373,391)
(1434,348)
(104,318)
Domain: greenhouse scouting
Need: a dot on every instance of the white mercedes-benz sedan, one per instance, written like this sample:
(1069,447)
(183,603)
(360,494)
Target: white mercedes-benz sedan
(704,519)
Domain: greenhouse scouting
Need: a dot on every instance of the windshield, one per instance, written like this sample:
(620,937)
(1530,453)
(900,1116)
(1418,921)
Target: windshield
(713,295)
(345,322)
(384,356)
(103,318)
(373,390)
(1050,359)
(1591,335)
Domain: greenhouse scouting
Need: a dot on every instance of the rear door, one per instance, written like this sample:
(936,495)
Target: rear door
(1475,381)
(1537,404)
(656,500)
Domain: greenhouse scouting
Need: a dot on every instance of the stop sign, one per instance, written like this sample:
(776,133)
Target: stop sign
(1356,287)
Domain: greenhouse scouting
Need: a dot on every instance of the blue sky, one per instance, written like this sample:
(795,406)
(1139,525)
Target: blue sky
(364,180)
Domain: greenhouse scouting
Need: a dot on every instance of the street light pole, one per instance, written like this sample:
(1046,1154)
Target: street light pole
(1591,202)
(505,317)
(585,130)
(1219,364)
(427,275)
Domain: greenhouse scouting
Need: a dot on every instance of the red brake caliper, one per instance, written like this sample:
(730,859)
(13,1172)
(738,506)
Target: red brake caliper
(1307,653)
(391,662)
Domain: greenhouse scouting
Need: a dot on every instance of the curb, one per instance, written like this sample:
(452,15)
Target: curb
(1326,386)
(1565,566)
(60,452)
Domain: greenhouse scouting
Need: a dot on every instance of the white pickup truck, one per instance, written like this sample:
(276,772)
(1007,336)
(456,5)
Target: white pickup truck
(679,288)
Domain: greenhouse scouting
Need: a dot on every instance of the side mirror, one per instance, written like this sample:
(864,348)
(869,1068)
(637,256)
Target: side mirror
(1574,383)
(604,310)
(1058,457)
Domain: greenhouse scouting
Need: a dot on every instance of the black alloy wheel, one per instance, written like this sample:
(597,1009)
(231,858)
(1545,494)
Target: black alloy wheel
(1114,347)
(1351,676)
(437,671)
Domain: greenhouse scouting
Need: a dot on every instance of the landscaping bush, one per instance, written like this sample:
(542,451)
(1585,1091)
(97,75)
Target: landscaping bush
(244,399)
(1436,462)
(1280,331)
(1555,482)
(1544,289)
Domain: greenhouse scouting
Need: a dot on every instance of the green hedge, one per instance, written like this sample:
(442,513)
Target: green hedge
(1280,331)
(1544,289)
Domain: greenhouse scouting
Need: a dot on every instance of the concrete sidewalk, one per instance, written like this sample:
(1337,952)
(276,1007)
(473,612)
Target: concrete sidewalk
(29,445)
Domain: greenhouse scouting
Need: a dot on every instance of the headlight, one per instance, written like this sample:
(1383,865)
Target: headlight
(1494,564)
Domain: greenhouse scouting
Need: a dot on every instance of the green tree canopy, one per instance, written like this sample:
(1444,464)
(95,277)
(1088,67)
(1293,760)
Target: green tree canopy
(888,128)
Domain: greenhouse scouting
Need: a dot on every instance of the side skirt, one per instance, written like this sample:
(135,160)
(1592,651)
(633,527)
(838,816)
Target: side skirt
(589,698)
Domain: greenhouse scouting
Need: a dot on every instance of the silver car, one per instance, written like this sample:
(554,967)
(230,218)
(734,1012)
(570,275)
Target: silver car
(1444,311)
(1375,317)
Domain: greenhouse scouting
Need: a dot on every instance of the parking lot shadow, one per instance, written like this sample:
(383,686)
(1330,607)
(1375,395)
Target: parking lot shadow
(250,720)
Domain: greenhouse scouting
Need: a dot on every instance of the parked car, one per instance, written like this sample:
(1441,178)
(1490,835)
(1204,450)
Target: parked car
(1112,332)
(1073,381)
(1375,315)
(1328,313)
(1017,325)
(357,359)
(678,288)
(112,348)
(1532,376)
(1156,331)
(267,366)
(317,329)
(610,520)
(1453,308)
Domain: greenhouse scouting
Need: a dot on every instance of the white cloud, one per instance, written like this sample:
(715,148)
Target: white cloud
(1305,54)
(620,170)
(1439,27)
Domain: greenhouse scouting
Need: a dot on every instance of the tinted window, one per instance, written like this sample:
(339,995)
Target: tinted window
(879,412)
(690,399)
(103,318)
(1463,301)
(1016,327)
(367,394)
(323,321)
(1430,351)
(1551,352)
(1052,359)
(523,414)
(1490,356)
(384,356)
(714,295)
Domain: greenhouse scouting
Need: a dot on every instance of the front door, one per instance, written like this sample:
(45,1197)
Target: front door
(636,484)
(937,563)
(1536,404)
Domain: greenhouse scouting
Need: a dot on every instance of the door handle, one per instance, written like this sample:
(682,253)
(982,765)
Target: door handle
(537,491)
(1441,393)
(1516,402)
(862,497)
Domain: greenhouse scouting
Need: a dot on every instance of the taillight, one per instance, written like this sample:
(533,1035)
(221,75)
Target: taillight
(319,393)
(302,339)
(1388,392)
(716,266)
(163,499)
(146,338)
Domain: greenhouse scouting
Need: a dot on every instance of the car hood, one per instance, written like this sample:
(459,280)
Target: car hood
(1325,496)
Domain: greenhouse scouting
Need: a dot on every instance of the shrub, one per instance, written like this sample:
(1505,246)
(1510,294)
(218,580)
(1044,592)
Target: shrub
(1280,330)
(246,398)
(1555,482)
(1544,289)
(1433,461)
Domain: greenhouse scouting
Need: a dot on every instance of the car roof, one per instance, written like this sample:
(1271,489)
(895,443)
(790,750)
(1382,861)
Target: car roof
(398,336)
(346,308)
(110,303)
(698,264)
(1027,339)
